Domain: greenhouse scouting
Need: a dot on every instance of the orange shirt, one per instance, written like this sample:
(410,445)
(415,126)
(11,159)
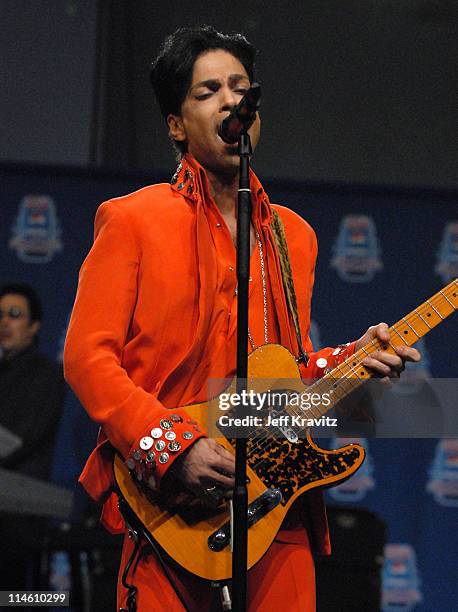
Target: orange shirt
(155,312)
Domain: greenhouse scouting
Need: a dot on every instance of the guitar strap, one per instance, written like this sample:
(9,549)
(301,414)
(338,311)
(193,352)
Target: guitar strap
(278,231)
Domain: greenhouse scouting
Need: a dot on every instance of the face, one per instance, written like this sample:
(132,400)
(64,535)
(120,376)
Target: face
(16,330)
(219,81)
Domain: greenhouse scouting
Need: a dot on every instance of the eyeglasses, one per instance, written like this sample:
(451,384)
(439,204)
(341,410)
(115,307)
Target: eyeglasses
(13,313)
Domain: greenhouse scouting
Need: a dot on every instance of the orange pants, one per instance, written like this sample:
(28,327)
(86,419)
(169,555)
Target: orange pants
(284,579)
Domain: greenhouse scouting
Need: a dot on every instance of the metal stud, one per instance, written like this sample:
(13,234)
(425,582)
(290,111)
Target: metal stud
(180,186)
(150,456)
(174,446)
(166,424)
(156,432)
(163,457)
(160,445)
(188,435)
(130,463)
(170,435)
(176,418)
(137,455)
(146,443)
(152,482)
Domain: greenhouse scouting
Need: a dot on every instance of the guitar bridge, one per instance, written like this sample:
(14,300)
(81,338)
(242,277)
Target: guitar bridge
(256,510)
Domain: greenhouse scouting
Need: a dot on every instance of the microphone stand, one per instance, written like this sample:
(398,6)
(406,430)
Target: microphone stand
(240,496)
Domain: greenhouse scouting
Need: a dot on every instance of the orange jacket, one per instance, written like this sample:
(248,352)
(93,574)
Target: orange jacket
(154,315)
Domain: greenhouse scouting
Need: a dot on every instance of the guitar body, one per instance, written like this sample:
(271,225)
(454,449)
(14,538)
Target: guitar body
(280,469)
(182,525)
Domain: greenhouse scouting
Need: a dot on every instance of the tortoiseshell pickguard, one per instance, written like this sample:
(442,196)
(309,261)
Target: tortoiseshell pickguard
(292,466)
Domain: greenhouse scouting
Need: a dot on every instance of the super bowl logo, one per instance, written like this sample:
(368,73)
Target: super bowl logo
(415,373)
(356,487)
(447,255)
(443,481)
(36,232)
(356,250)
(400,580)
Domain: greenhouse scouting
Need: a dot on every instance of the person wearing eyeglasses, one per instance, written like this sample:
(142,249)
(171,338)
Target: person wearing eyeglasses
(31,400)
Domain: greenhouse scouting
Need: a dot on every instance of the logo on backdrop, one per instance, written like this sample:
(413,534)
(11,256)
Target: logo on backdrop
(447,255)
(443,473)
(415,373)
(356,487)
(400,580)
(36,232)
(357,250)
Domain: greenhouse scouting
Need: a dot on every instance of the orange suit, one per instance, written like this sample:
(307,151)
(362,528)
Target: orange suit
(154,317)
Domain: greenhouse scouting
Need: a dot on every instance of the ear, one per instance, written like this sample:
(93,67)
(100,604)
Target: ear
(35,327)
(176,128)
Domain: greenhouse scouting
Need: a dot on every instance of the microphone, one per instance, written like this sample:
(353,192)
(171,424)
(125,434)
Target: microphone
(241,116)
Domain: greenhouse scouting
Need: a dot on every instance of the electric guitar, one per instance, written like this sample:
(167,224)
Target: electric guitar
(280,468)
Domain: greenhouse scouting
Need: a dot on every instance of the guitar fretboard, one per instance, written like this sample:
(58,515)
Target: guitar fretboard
(350,374)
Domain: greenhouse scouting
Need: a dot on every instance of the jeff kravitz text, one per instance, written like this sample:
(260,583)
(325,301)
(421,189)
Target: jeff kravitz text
(284,420)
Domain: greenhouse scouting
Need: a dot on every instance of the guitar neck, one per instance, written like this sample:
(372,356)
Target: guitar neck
(350,374)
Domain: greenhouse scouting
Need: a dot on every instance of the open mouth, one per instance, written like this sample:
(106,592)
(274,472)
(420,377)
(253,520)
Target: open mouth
(229,146)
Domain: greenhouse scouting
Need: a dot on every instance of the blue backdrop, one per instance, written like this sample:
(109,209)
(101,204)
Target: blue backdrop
(381,253)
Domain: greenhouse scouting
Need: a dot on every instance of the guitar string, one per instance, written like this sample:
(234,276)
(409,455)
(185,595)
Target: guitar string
(374,344)
(439,300)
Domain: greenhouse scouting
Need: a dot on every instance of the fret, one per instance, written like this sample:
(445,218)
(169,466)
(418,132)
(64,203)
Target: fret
(451,303)
(336,385)
(344,369)
(357,364)
(337,388)
(410,327)
(435,310)
(322,410)
(391,346)
(402,337)
(359,373)
(351,373)
(311,410)
(324,385)
(424,320)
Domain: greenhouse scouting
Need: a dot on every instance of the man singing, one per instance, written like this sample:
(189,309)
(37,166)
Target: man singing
(155,319)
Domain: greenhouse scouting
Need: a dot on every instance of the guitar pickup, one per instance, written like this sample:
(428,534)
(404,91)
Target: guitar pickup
(261,506)
(289,433)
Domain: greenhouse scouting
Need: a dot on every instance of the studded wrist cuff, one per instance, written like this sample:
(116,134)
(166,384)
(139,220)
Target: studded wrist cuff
(153,454)
(325,360)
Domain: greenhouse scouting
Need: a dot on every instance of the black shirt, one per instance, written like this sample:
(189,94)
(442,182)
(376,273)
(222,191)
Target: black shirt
(31,399)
